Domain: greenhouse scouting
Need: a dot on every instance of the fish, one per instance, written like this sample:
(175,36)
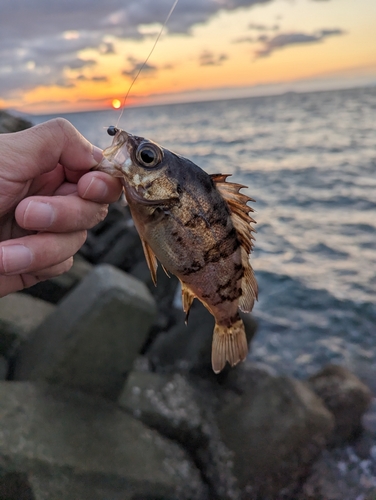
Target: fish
(197,226)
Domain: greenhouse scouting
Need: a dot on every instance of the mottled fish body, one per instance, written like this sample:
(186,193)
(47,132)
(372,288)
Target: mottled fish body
(198,227)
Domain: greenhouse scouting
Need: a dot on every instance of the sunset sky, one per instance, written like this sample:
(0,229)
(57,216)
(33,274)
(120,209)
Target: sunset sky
(73,55)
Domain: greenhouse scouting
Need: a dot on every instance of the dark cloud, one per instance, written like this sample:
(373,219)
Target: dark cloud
(208,58)
(285,39)
(136,66)
(263,27)
(244,39)
(85,78)
(107,48)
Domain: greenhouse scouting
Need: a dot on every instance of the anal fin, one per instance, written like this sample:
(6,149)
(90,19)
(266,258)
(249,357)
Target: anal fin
(187,299)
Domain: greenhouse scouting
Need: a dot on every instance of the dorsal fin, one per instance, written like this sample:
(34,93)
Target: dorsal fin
(151,260)
(237,203)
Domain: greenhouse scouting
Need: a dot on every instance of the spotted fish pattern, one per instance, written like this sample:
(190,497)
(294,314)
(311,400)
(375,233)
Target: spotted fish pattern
(198,227)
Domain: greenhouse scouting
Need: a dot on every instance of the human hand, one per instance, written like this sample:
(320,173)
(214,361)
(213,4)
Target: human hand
(48,199)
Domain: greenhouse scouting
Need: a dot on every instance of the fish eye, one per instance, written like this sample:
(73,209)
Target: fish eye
(112,130)
(148,155)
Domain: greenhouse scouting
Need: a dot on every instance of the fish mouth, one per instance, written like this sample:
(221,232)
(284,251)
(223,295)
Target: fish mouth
(115,156)
(134,196)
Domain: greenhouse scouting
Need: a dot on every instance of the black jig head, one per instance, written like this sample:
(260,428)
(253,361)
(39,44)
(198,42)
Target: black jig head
(112,130)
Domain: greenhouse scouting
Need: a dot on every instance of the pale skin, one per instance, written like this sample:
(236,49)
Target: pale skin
(49,198)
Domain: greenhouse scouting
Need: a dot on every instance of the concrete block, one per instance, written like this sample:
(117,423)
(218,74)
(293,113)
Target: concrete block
(74,446)
(19,315)
(93,337)
(55,289)
(169,404)
(3,368)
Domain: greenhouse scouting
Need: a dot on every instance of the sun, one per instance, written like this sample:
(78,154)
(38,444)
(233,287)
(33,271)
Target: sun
(116,103)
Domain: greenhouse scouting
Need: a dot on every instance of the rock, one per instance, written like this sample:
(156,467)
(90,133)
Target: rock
(11,123)
(165,403)
(54,289)
(345,396)
(168,404)
(20,315)
(164,294)
(276,427)
(15,486)
(339,474)
(93,337)
(74,446)
(188,347)
(3,369)
(114,241)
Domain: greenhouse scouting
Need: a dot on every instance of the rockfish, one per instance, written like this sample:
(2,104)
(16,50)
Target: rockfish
(197,226)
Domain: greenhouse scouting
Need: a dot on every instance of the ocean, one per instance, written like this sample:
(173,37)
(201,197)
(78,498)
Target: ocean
(309,160)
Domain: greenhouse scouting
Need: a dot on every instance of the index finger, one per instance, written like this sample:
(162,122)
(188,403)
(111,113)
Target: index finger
(40,148)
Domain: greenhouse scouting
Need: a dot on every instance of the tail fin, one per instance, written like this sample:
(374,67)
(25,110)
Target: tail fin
(229,344)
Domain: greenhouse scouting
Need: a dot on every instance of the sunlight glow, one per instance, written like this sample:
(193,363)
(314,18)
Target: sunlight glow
(116,103)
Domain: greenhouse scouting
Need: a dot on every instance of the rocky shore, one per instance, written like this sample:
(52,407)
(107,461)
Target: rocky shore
(106,393)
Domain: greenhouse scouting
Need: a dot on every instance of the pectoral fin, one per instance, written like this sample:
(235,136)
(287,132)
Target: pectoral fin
(151,260)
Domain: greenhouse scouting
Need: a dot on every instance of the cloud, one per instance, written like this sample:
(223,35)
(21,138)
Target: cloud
(285,39)
(244,39)
(40,41)
(210,59)
(136,66)
(263,27)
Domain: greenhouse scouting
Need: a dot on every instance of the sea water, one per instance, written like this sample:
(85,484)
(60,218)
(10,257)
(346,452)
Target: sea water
(309,160)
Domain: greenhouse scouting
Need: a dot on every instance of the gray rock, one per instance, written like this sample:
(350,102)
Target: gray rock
(188,347)
(74,446)
(93,337)
(275,428)
(339,474)
(11,123)
(3,368)
(15,486)
(54,289)
(345,396)
(168,404)
(20,315)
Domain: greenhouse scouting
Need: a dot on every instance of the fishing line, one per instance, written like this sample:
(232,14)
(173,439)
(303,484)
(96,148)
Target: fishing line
(146,60)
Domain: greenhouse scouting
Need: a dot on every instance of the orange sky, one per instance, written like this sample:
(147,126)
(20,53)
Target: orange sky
(265,48)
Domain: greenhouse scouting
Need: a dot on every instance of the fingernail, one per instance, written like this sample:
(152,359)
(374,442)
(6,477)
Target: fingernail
(38,215)
(16,258)
(97,190)
(97,154)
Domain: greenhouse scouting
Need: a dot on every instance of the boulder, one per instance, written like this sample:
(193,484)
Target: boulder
(345,396)
(168,403)
(3,369)
(276,427)
(54,289)
(73,446)
(93,337)
(11,123)
(339,474)
(114,241)
(19,316)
